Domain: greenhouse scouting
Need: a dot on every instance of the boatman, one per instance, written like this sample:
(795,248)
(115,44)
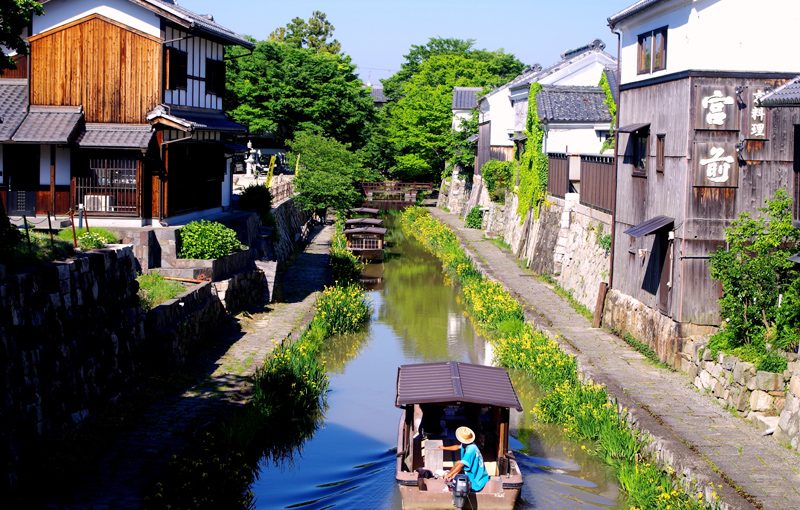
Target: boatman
(471,462)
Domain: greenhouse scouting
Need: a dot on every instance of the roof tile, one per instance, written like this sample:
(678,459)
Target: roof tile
(572,104)
(50,124)
(13,104)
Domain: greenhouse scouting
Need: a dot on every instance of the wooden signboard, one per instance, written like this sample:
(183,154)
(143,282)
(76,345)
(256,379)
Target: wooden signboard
(755,125)
(716,108)
(716,165)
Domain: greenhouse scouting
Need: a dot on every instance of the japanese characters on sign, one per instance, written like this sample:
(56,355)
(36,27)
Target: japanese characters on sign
(716,165)
(716,108)
(755,116)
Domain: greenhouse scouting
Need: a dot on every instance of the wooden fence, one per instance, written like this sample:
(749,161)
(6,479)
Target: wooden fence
(597,182)
(557,174)
(281,192)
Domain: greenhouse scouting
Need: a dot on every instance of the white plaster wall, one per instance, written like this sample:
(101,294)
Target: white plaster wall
(227,186)
(44,165)
(725,35)
(63,162)
(573,139)
(585,72)
(198,50)
(458,116)
(502,117)
(60,12)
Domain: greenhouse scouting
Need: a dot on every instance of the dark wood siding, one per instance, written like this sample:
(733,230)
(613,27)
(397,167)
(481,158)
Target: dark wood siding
(484,146)
(114,72)
(597,182)
(21,70)
(557,174)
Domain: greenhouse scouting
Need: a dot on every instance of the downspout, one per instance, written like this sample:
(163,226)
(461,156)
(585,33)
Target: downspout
(613,250)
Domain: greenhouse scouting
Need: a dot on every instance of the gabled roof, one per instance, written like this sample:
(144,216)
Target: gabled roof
(465,98)
(365,221)
(13,106)
(557,103)
(50,124)
(634,9)
(378,96)
(451,382)
(115,136)
(190,119)
(787,94)
(205,24)
(613,83)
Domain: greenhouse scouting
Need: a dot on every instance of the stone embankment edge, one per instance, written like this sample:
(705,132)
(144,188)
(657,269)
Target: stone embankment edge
(693,471)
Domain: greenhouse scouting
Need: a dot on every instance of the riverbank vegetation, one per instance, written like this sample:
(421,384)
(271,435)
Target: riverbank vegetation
(345,267)
(583,409)
(154,289)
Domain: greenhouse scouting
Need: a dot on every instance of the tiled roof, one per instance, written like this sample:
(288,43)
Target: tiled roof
(50,124)
(170,9)
(572,104)
(193,120)
(465,98)
(613,83)
(567,58)
(636,8)
(787,94)
(377,94)
(13,104)
(115,136)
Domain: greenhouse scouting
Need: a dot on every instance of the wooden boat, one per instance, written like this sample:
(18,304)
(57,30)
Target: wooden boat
(366,211)
(366,242)
(436,399)
(363,223)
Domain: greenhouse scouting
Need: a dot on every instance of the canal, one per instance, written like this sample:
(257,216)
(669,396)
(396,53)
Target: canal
(349,462)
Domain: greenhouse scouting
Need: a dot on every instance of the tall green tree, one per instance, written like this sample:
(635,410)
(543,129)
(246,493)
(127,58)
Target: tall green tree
(14,17)
(329,172)
(283,89)
(316,33)
(420,120)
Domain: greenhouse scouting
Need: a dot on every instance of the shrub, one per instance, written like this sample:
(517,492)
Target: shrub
(345,267)
(258,199)
(474,218)
(498,176)
(106,236)
(207,240)
(154,289)
(91,241)
(342,310)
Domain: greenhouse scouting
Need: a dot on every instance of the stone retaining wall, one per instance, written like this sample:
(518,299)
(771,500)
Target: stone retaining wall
(292,227)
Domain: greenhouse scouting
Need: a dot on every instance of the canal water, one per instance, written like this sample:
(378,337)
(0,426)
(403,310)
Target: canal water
(349,462)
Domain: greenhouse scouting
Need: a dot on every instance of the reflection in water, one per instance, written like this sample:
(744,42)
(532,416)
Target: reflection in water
(349,463)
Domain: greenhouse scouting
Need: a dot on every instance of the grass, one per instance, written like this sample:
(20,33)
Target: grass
(567,296)
(643,349)
(108,236)
(154,289)
(499,242)
(40,249)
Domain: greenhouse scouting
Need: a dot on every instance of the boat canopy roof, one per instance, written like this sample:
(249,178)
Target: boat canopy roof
(454,382)
(364,210)
(365,221)
(366,230)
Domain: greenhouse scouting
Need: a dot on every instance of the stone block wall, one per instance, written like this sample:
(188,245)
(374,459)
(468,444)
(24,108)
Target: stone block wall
(70,336)
(292,227)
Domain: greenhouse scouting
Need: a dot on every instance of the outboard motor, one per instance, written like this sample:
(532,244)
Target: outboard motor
(460,487)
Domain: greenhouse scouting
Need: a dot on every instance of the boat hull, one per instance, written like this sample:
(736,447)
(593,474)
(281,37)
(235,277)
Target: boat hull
(433,494)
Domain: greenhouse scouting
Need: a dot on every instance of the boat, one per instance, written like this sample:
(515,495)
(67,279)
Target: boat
(365,242)
(363,222)
(436,399)
(367,211)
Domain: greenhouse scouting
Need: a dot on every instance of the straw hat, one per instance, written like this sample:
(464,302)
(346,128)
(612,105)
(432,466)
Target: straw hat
(465,435)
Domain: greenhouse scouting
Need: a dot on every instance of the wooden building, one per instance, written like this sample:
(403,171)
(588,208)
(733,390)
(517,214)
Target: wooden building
(118,108)
(694,147)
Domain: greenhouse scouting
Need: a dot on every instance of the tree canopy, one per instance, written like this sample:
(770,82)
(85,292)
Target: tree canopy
(14,17)
(419,120)
(315,34)
(283,89)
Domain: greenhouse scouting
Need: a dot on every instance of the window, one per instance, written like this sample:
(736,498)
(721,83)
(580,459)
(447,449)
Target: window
(660,153)
(177,63)
(640,139)
(215,77)
(652,51)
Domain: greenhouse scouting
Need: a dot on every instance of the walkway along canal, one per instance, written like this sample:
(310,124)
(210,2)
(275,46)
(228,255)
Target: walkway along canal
(349,461)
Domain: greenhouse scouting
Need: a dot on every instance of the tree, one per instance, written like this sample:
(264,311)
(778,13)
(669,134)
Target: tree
(14,18)
(312,34)
(462,152)
(283,89)
(329,172)
(420,120)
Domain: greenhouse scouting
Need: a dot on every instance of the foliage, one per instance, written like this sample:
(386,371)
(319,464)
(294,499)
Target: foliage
(329,173)
(474,218)
(313,34)
(567,296)
(462,149)
(787,321)
(533,162)
(10,237)
(106,236)
(584,410)
(604,241)
(257,198)
(610,142)
(154,289)
(378,153)
(40,249)
(419,118)
(14,18)
(282,89)
(498,176)
(91,241)
(207,240)
(342,310)
(345,266)
(755,272)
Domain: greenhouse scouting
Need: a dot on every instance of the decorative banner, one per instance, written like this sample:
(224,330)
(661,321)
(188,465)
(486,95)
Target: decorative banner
(716,108)
(756,118)
(715,165)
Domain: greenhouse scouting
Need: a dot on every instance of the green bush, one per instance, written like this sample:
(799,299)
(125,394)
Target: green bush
(258,199)
(207,240)
(154,289)
(342,310)
(498,176)
(106,236)
(91,241)
(474,218)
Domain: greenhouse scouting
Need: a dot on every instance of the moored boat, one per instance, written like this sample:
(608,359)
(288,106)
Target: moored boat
(437,398)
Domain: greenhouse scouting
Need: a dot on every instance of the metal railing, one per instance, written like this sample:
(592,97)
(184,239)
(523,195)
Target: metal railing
(110,190)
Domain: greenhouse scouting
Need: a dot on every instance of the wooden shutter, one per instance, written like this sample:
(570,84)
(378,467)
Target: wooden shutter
(177,69)
(215,77)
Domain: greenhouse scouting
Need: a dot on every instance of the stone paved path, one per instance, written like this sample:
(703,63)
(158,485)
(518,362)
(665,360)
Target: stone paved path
(127,472)
(697,434)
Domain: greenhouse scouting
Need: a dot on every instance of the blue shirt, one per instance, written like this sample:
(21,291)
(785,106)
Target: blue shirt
(473,466)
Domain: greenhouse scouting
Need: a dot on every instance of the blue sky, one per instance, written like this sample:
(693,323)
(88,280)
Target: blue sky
(378,33)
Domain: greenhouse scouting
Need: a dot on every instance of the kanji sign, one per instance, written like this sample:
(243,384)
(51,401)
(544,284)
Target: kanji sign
(716,165)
